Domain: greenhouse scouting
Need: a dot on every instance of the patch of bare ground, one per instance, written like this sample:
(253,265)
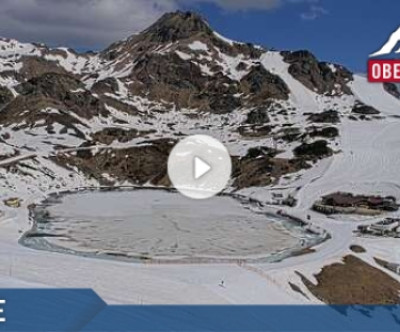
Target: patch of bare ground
(354,282)
(357,249)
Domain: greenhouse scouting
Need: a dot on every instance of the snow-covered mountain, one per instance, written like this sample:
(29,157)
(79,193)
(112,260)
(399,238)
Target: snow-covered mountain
(176,78)
(292,124)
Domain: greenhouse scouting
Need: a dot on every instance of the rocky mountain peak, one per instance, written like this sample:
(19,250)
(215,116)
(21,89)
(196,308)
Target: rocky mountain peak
(176,26)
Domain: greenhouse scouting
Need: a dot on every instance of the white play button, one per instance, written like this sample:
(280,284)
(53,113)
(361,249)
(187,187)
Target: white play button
(199,167)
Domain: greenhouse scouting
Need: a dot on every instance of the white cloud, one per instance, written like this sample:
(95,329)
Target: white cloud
(90,23)
(314,12)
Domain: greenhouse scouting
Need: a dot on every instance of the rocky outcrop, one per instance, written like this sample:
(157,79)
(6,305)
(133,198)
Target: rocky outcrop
(39,111)
(138,165)
(327,132)
(109,135)
(5,96)
(313,151)
(319,77)
(258,117)
(392,89)
(177,26)
(167,68)
(34,66)
(362,109)
(63,90)
(107,85)
(263,85)
(52,100)
(52,85)
(260,168)
(289,134)
(330,116)
(172,79)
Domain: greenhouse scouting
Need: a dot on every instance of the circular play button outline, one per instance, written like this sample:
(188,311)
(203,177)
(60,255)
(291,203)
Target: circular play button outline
(199,167)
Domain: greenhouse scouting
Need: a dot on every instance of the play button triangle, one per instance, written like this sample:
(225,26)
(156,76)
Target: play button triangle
(200,168)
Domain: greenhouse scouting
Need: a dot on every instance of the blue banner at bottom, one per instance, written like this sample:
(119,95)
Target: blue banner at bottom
(83,310)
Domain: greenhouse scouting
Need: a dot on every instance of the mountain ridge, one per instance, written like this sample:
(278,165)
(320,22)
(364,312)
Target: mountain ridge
(177,77)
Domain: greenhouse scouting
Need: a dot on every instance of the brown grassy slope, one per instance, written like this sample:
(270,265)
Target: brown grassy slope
(354,282)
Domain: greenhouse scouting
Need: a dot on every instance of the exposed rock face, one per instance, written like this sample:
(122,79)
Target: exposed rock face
(316,150)
(392,89)
(52,99)
(38,111)
(178,61)
(109,135)
(176,26)
(330,116)
(289,134)
(175,80)
(171,78)
(258,169)
(318,76)
(64,89)
(262,85)
(36,66)
(357,249)
(182,61)
(258,117)
(327,132)
(107,85)
(5,96)
(139,165)
(360,108)
(51,85)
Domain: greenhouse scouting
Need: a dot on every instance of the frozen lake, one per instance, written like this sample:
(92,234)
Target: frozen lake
(161,225)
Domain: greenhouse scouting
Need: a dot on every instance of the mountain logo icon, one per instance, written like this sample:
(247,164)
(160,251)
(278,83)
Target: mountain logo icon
(390,46)
(386,68)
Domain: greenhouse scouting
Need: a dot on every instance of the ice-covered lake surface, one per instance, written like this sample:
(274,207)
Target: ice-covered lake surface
(162,225)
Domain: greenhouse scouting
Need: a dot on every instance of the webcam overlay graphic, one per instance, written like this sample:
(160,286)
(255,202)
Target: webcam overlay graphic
(83,310)
(385,70)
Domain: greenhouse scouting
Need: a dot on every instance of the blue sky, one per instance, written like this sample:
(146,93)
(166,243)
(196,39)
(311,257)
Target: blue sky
(346,32)
(341,31)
